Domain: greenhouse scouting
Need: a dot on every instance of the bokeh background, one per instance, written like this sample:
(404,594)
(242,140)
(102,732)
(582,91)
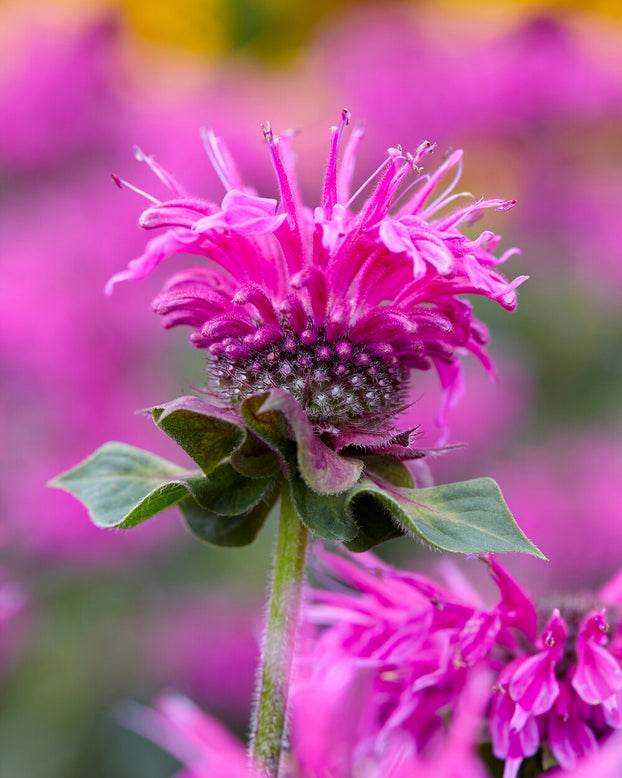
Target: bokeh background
(531,91)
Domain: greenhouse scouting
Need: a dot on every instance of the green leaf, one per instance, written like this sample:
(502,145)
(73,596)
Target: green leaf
(254,459)
(322,468)
(228,531)
(207,433)
(121,485)
(229,493)
(470,517)
(374,520)
(389,469)
(324,514)
(269,428)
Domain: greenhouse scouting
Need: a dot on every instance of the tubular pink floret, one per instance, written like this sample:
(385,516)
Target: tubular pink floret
(294,310)
(380,325)
(176,213)
(221,160)
(290,203)
(226,325)
(377,206)
(598,676)
(265,335)
(416,202)
(167,179)
(209,300)
(314,281)
(338,322)
(348,162)
(330,197)
(254,295)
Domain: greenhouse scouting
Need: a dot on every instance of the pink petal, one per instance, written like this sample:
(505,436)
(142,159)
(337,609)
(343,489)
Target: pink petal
(598,675)
(570,739)
(534,685)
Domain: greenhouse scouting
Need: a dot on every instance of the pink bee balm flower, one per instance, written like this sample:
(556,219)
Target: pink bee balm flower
(396,652)
(564,690)
(334,306)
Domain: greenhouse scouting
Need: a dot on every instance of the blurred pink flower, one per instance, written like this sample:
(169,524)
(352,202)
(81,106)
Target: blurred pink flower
(76,366)
(605,763)
(208,751)
(67,385)
(474,78)
(59,92)
(201,744)
(397,651)
(209,648)
(564,492)
(397,675)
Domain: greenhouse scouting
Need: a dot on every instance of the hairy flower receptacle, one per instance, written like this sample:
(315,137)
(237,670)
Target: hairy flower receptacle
(338,384)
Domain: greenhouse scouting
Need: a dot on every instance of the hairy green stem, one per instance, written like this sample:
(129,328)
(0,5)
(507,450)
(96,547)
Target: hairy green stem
(280,639)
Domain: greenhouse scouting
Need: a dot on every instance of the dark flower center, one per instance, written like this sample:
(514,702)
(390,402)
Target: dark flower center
(339,384)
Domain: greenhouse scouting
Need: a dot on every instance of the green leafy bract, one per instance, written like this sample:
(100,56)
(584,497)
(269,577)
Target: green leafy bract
(268,427)
(229,493)
(121,485)
(324,514)
(207,433)
(229,531)
(254,459)
(243,467)
(324,471)
(469,517)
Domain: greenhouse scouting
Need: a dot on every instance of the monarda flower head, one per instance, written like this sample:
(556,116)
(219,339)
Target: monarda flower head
(315,324)
(333,306)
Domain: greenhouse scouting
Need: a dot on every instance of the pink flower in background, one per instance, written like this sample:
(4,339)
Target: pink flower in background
(396,652)
(203,746)
(400,676)
(605,763)
(475,78)
(60,91)
(81,382)
(208,648)
(332,306)
(564,493)
(207,750)
(567,693)
(74,372)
